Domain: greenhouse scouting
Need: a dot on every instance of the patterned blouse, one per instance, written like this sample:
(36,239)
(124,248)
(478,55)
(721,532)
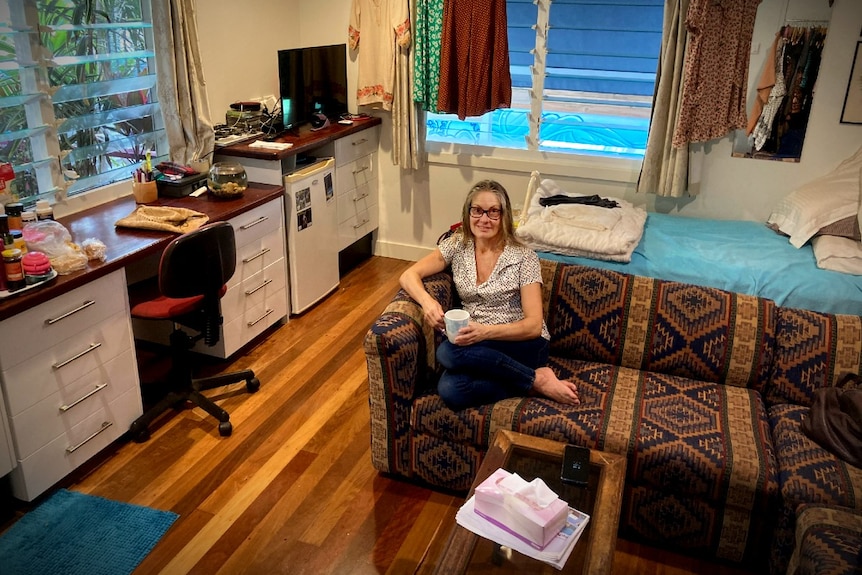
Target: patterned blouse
(497,300)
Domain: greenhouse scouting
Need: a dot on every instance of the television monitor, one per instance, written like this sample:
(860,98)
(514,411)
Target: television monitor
(312,80)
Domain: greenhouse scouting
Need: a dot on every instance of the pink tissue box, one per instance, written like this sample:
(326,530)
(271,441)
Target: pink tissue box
(531,512)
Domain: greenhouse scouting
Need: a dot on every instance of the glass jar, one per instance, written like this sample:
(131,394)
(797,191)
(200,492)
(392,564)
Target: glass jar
(14,211)
(13,268)
(227,180)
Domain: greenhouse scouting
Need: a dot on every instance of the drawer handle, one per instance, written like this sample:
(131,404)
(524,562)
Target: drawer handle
(83,306)
(92,347)
(97,389)
(362,197)
(255,256)
(263,285)
(258,320)
(360,224)
(105,425)
(259,220)
(360,170)
(358,142)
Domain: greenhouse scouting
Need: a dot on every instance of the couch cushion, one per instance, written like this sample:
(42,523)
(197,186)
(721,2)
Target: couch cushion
(812,350)
(706,446)
(807,474)
(661,326)
(828,541)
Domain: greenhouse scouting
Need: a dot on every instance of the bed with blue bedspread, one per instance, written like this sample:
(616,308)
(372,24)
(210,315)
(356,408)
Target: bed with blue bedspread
(739,256)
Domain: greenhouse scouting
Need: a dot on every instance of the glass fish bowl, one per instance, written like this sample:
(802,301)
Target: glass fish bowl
(227,180)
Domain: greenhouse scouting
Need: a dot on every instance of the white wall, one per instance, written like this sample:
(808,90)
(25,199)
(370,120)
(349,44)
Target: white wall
(239,45)
(417,206)
(246,67)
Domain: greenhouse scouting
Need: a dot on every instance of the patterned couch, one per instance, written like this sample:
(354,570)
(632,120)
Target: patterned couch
(703,390)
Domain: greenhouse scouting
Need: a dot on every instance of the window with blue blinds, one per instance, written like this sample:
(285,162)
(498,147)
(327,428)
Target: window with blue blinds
(583,75)
(78,105)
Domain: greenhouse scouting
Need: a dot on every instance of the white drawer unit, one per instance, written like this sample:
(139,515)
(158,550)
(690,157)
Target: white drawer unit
(356,185)
(257,293)
(7,452)
(70,381)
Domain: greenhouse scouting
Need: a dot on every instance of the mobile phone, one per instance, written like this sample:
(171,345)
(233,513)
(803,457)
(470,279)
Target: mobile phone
(576,465)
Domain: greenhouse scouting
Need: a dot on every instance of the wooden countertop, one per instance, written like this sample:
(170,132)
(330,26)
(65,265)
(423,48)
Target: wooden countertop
(303,140)
(126,245)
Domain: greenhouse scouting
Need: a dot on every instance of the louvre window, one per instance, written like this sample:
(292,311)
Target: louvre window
(583,75)
(78,105)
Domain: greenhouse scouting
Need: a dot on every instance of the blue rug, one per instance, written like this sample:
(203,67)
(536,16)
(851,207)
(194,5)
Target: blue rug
(76,534)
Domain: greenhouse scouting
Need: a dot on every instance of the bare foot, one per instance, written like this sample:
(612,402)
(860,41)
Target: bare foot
(548,384)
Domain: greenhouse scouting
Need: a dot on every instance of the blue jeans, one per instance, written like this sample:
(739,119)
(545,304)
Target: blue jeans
(488,371)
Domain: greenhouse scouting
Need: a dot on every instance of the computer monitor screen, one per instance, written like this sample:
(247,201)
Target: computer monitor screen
(312,80)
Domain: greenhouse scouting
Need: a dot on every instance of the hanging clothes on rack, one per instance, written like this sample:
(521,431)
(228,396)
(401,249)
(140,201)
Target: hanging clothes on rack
(762,128)
(777,128)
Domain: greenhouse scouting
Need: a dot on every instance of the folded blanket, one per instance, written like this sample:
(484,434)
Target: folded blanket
(163,218)
(578,216)
(579,230)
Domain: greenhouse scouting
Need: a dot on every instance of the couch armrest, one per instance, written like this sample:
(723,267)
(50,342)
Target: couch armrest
(400,353)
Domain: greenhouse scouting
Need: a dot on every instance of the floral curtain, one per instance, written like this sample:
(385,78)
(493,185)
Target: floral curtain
(182,89)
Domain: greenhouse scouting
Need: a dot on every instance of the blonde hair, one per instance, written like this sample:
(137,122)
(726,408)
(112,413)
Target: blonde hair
(507,225)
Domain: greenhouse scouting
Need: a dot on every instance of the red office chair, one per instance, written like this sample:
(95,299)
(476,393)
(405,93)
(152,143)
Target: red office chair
(192,275)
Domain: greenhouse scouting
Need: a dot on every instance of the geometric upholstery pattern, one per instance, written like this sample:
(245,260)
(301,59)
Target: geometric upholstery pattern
(828,541)
(703,449)
(696,386)
(814,350)
(401,361)
(808,474)
(661,326)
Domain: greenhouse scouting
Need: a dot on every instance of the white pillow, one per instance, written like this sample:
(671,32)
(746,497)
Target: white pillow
(820,202)
(838,254)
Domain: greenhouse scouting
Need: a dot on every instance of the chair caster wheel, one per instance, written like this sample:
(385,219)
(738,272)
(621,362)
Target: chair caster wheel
(225,428)
(252,385)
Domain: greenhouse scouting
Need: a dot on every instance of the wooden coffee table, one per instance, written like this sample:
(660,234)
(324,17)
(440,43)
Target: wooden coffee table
(531,457)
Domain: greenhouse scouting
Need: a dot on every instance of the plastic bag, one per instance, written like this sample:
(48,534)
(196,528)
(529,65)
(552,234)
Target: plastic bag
(94,249)
(54,240)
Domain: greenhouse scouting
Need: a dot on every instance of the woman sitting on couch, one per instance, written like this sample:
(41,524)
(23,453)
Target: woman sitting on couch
(503,351)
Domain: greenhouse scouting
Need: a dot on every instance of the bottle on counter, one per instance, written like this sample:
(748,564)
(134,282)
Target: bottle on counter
(18,241)
(27,216)
(44,211)
(14,211)
(14,269)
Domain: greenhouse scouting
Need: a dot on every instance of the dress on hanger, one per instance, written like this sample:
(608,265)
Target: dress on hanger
(474,58)
(380,24)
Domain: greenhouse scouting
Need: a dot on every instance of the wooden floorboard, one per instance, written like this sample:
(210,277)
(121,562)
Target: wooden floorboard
(293,489)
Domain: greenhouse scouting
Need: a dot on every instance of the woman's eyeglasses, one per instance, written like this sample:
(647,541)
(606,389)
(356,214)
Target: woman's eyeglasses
(493,213)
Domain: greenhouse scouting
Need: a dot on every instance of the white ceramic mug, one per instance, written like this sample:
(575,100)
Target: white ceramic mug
(455,319)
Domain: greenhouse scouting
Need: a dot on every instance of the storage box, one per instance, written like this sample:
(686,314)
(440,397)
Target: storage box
(182,187)
(530,511)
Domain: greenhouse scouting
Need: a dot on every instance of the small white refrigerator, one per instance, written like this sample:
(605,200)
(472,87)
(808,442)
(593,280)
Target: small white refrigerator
(312,236)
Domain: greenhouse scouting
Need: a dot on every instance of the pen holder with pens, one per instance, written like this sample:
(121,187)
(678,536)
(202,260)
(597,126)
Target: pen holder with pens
(145,192)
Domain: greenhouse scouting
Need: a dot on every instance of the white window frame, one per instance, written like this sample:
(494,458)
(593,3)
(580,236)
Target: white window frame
(56,183)
(563,164)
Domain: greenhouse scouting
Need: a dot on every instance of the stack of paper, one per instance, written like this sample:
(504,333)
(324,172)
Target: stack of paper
(555,553)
